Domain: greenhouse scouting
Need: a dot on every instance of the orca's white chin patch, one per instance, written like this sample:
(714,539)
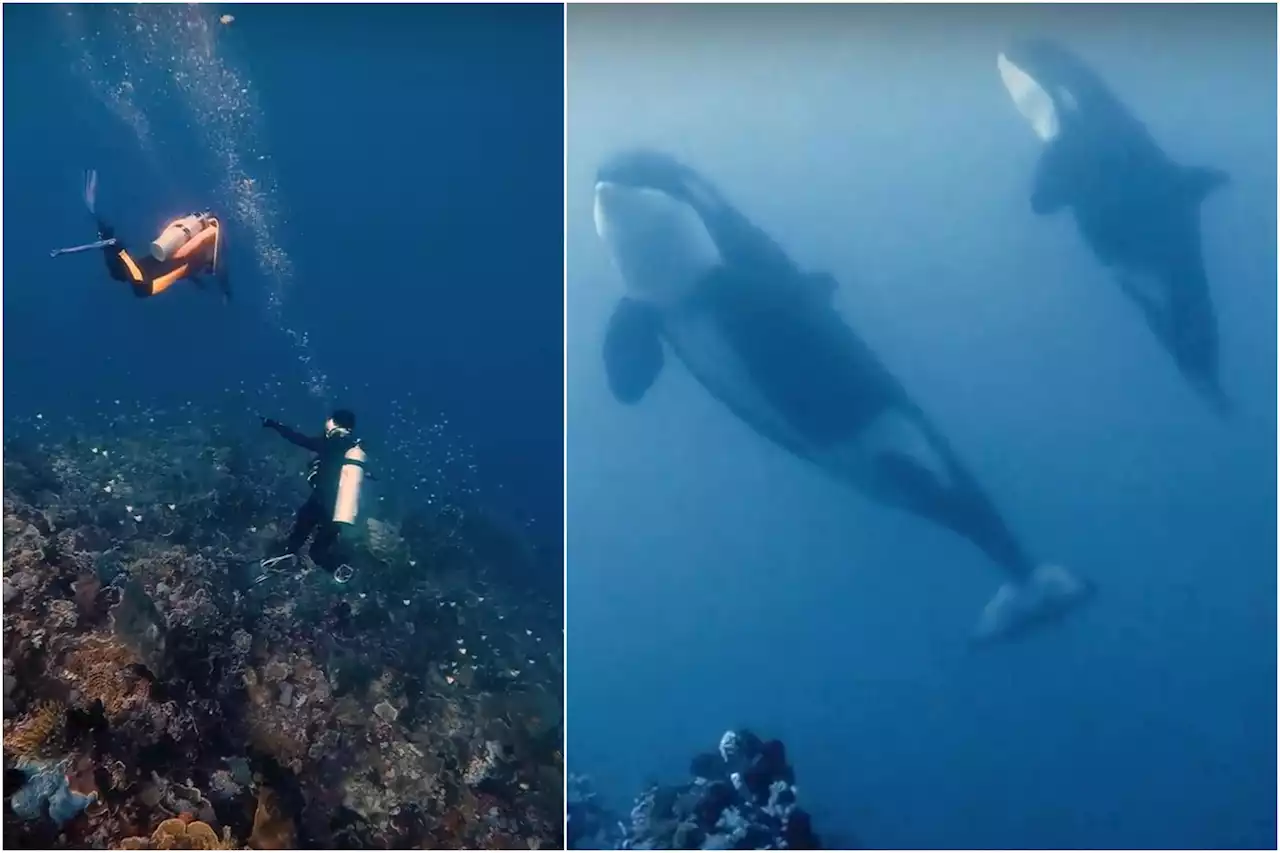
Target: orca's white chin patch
(659,243)
(1031,99)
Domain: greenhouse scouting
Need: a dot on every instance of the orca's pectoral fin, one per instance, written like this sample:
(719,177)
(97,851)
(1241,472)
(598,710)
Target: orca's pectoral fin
(633,350)
(1200,181)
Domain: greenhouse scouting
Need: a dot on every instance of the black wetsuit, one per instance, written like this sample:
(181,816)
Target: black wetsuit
(144,273)
(316,514)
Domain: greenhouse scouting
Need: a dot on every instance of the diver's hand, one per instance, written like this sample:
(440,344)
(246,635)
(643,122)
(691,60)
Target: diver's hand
(269,423)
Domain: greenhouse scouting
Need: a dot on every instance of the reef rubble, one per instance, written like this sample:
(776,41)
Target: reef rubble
(157,695)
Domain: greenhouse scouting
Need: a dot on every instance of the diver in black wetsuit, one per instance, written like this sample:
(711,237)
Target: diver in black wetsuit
(317,513)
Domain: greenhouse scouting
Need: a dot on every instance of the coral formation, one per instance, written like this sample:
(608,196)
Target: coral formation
(181,833)
(157,697)
(47,791)
(31,736)
(742,797)
(589,823)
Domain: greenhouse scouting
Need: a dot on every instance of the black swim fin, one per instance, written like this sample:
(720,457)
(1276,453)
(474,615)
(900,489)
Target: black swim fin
(633,350)
(91,192)
(90,199)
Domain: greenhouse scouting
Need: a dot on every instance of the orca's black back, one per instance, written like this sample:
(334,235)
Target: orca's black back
(802,355)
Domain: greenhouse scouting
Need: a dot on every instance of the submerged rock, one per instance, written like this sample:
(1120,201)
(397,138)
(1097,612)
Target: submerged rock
(741,797)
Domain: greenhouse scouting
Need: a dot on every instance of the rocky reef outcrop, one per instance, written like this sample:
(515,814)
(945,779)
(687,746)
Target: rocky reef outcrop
(743,796)
(158,694)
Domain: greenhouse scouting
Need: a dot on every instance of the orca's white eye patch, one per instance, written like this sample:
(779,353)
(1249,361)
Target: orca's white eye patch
(659,243)
(636,209)
(1033,102)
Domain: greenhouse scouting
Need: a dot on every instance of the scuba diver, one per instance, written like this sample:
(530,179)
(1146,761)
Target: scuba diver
(335,476)
(191,247)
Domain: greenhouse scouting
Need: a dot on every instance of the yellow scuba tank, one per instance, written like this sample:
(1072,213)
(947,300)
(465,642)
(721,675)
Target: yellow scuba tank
(176,235)
(346,506)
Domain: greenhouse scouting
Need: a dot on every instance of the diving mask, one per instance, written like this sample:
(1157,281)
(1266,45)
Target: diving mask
(332,430)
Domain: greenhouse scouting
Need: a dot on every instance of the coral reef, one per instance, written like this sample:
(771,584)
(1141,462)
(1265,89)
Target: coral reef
(32,735)
(47,791)
(742,797)
(157,695)
(589,823)
(181,833)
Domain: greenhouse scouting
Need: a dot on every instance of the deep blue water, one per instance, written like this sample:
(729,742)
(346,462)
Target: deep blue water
(714,581)
(393,179)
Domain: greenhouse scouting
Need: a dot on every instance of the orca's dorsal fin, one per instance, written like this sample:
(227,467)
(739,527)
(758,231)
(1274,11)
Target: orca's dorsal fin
(633,350)
(820,286)
(1199,181)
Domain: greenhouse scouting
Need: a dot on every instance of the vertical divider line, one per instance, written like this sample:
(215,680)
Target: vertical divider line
(564,401)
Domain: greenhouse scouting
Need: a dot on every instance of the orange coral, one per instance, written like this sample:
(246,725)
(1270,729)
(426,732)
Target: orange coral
(101,667)
(30,737)
(181,833)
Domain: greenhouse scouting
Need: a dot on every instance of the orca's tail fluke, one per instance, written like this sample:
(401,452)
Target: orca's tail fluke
(1047,595)
(1213,394)
(1199,182)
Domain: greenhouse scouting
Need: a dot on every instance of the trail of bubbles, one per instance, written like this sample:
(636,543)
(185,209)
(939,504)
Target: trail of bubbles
(113,88)
(177,46)
(167,54)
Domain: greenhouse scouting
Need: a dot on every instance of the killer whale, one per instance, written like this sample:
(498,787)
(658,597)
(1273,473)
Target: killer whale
(763,337)
(1135,208)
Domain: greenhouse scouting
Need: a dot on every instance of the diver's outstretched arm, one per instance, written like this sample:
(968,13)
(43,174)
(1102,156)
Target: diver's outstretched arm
(87,247)
(315,445)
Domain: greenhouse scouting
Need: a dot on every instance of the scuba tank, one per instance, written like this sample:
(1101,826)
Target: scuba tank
(178,234)
(346,506)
